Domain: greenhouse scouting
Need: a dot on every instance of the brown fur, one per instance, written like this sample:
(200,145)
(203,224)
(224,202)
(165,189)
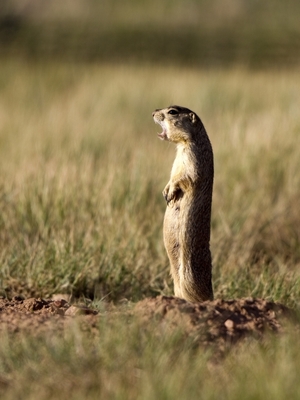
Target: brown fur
(189,196)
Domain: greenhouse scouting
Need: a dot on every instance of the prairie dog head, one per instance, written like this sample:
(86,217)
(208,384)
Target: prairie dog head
(178,123)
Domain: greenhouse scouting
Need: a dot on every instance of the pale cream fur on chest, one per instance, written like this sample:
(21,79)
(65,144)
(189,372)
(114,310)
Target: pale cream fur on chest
(183,171)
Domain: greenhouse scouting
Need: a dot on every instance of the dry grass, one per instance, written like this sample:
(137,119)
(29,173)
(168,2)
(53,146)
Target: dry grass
(81,212)
(82,173)
(127,361)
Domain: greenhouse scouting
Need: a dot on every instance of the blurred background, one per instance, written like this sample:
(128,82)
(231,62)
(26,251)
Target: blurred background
(194,32)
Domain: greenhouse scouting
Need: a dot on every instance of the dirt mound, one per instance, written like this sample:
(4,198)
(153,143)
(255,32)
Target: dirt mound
(220,322)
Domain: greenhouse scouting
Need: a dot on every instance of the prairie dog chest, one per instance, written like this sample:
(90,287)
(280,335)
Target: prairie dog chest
(183,165)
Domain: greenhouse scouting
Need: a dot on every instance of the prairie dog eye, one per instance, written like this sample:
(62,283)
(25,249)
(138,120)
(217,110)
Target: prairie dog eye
(173,112)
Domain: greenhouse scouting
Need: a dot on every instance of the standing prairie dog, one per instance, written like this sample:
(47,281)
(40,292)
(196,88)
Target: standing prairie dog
(188,195)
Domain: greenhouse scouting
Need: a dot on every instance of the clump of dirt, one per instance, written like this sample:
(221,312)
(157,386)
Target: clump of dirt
(220,322)
(37,315)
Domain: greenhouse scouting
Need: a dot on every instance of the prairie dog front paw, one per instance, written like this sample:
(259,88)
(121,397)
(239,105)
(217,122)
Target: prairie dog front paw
(171,192)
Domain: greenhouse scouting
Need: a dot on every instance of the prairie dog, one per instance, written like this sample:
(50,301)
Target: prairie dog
(189,196)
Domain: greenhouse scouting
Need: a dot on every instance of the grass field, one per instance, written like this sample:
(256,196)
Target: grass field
(194,32)
(81,211)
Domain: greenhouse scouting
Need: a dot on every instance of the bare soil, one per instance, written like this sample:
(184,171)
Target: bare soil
(38,316)
(219,322)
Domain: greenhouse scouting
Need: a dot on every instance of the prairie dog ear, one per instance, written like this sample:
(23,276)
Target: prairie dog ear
(193,117)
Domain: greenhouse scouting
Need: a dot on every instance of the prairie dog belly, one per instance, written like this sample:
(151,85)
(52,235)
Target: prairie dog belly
(171,233)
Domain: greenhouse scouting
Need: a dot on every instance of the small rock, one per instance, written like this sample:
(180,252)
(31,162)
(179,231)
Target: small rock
(62,296)
(229,324)
(75,310)
(60,303)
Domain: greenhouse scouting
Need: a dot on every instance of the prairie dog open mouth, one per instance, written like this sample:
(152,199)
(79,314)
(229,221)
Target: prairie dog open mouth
(163,135)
